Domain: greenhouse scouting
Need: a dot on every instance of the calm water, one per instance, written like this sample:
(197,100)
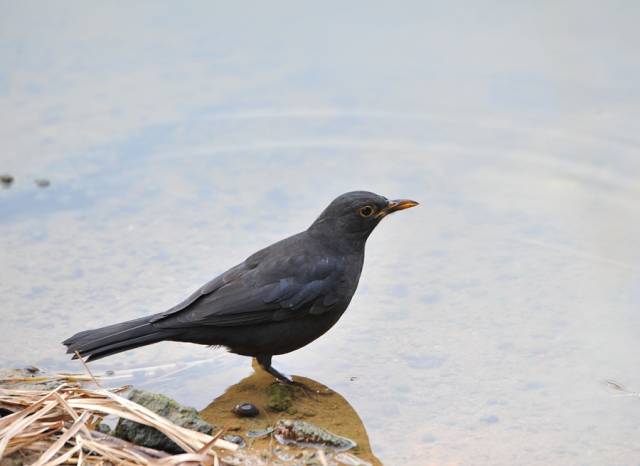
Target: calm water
(178,141)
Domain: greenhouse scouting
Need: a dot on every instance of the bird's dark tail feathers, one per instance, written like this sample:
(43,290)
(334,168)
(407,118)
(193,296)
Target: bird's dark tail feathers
(105,341)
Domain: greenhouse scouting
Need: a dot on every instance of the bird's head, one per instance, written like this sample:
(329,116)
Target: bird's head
(357,213)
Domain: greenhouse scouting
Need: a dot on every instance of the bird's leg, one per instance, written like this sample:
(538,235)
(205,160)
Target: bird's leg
(265,363)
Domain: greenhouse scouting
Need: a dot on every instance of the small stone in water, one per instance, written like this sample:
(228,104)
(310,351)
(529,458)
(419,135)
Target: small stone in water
(238,440)
(148,436)
(42,182)
(6,180)
(246,410)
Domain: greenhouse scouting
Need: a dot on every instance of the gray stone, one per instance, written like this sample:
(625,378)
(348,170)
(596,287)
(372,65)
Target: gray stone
(237,439)
(166,407)
(305,434)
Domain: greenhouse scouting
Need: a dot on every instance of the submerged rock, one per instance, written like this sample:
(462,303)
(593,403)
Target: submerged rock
(305,434)
(166,407)
(327,409)
(42,182)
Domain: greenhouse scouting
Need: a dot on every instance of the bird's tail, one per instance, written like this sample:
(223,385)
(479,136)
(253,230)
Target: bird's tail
(105,341)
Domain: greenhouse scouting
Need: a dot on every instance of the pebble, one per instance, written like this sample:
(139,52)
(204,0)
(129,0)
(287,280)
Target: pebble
(237,439)
(246,410)
(6,180)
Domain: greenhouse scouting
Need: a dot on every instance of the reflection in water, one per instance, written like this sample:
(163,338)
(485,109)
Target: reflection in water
(326,409)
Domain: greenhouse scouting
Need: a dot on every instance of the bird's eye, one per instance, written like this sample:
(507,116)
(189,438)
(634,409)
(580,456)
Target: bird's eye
(366,211)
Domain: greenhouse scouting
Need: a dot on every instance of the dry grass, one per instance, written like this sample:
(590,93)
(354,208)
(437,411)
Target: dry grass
(58,427)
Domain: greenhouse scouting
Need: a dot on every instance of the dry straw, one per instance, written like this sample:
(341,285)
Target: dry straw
(58,427)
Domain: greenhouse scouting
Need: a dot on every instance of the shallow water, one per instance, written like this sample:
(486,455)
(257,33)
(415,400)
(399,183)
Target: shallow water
(177,142)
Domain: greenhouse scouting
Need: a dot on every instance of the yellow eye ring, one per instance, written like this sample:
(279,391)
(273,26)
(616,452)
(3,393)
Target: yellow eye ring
(366,211)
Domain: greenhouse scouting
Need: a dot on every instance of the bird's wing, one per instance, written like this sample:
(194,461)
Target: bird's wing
(272,289)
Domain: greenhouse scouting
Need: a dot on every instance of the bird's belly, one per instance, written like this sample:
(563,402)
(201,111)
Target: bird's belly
(268,339)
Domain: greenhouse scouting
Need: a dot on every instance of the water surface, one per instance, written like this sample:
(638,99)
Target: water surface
(178,141)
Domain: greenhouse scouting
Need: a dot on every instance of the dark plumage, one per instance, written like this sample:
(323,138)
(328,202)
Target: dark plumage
(276,301)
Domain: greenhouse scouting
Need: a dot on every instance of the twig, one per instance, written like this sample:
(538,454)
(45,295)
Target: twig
(88,370)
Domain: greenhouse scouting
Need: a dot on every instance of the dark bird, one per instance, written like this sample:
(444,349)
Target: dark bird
(278,300)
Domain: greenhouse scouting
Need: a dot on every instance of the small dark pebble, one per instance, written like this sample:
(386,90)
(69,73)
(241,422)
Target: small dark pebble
(6,180)
(109,373)
(32,369)
(246,410)
(42,182)
(238,440)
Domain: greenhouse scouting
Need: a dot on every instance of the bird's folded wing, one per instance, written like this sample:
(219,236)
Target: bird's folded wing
(280,289)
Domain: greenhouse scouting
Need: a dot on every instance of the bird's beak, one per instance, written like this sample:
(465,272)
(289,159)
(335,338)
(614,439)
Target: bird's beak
(397,204)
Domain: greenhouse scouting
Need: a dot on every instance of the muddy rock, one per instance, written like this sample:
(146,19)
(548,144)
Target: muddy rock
(166,407)
(326,408)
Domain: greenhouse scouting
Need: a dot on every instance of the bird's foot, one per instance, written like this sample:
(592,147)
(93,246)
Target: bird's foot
(265,363)
(288,380)
(307,390)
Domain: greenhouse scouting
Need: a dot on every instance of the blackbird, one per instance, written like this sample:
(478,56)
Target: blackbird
(278,300)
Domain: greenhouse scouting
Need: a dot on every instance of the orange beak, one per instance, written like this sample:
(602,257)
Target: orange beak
(395,205)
